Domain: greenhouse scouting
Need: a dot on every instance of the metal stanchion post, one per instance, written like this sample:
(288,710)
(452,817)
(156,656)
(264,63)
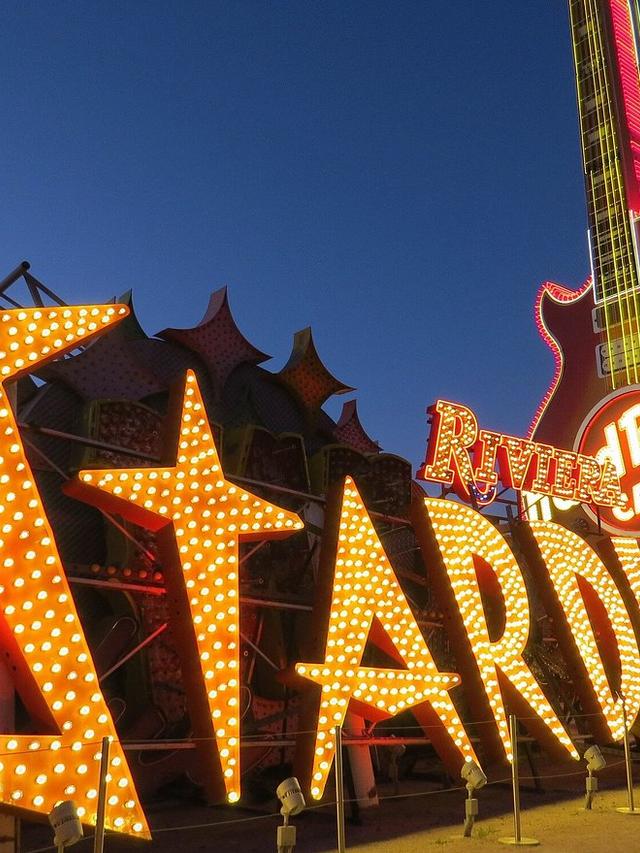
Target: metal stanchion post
(98,841)
(286,837)
(470,814)
(517,839)
(592,787)
(630,807)
(339,791)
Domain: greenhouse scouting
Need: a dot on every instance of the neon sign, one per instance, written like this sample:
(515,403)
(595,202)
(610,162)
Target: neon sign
(459,543)
(364,588)
(472,461)
(202,518)
(42,636)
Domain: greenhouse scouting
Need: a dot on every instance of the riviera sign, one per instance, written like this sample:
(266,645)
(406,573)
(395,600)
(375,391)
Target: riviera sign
(473,460)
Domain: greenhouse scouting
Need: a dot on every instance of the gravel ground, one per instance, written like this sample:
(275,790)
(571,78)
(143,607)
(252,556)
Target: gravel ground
(424,817)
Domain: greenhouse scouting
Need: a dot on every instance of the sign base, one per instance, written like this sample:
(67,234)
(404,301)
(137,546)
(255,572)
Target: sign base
(523,842)
(627,810)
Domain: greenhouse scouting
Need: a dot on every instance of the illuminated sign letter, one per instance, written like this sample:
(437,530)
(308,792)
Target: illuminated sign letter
(621,555)
(486,449)
(589,479)
(365,590)
(204,517)
(515,458)
(454,431)
(470,557)
(567,473)
(544,455)
(582,593)
(42,638)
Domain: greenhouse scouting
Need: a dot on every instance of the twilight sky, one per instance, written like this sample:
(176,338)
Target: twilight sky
(401,176)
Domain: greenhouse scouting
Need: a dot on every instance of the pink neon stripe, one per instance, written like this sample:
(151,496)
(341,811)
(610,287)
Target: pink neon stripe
(627,68)
(560,294)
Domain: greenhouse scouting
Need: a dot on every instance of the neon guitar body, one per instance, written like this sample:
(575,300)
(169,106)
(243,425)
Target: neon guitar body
(565,323)
(581,410)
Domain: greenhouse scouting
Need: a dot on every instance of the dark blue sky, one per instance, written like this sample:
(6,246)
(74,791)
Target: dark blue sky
(399,175)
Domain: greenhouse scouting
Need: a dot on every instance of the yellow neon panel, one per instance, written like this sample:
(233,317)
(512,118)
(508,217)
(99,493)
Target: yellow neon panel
(42,634)
(365,587)
(210,516)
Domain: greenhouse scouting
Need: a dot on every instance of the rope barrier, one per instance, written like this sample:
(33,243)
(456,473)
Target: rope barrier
(192,826)
(328,804)
(332,803)
(215,823)
(54,847)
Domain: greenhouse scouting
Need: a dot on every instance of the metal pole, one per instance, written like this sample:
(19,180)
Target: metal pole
(339,791)
(141,645)
(517,839)
(627,758)
(470,814)
(98,841)
(513,734)
(630,807)
(151,457)
(14,275)
(592,784)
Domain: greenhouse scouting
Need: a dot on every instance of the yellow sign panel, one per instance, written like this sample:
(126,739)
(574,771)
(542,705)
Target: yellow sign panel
(41,631)
(365,588)
(206,517)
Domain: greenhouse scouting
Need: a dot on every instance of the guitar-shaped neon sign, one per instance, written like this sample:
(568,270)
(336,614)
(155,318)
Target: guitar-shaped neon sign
(593,403)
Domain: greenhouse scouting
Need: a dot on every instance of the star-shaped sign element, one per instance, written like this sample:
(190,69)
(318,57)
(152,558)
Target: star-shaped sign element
(43,643)
(365,588)
(202,518)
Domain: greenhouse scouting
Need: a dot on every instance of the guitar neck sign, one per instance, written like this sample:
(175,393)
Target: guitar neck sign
(472,461)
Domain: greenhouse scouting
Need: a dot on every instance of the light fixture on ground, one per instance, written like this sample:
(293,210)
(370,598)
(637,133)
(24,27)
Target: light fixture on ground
(66,825)
(290,795)
(595,761)
(475,779)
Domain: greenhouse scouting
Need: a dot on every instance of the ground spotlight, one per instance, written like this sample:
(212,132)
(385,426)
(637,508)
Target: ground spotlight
(595,761)
(290,795)
(66,824)
(475,779)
